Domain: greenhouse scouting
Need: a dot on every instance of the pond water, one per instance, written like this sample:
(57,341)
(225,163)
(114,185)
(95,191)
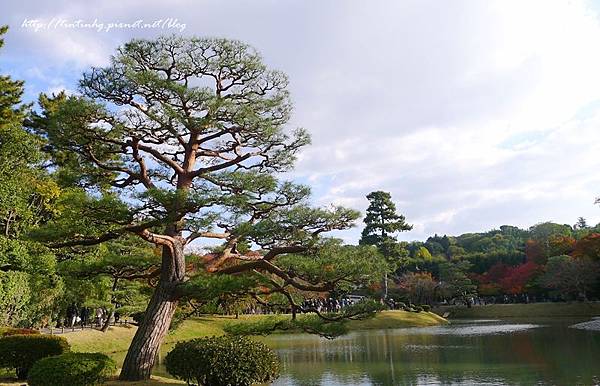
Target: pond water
(468,352)
(464,353)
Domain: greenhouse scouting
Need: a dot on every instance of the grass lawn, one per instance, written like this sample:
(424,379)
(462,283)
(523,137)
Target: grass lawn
(397,319)
(575,309)
(155,380)
(117,338)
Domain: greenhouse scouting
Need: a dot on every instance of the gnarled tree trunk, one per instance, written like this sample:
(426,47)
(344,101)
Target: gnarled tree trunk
(112,301)
(107,321)
(145,345)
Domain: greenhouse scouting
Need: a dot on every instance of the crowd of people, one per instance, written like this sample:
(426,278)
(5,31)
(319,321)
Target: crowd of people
(86,316)
(321,304)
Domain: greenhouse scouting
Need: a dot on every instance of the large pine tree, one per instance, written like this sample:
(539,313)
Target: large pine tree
(183,139)
(382,225)
(382,222)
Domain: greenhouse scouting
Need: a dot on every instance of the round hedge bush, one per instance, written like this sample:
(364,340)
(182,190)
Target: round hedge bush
(20,352)
(73,369)
(221,361)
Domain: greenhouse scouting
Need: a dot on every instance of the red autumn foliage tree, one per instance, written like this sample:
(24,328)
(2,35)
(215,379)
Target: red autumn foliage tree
(488,282)
(497,272)
(517,278)
(419,287)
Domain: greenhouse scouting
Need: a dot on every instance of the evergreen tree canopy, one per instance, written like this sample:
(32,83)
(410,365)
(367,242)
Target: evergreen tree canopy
(381,220)
(179,140)
(28,285)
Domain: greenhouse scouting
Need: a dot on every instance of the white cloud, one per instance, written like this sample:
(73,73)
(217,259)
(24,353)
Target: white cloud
(471,113)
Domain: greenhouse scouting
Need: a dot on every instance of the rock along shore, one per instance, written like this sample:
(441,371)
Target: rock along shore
(593,325)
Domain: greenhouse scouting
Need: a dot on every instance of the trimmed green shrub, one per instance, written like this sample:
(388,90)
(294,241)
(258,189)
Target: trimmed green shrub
(221,361)
(426,307)
(19,331)
(20,352)
(73,369)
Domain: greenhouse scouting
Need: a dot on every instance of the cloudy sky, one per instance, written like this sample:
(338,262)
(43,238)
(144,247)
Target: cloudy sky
(472,114)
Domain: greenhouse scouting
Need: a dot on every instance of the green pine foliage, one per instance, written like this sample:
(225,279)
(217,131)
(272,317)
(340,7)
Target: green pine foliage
(29,285)
(381,220)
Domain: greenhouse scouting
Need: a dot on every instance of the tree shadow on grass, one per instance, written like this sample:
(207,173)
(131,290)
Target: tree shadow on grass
(7,379)
(152,382)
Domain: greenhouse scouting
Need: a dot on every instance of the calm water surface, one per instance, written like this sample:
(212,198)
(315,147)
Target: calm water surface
(543,352)
(470,352)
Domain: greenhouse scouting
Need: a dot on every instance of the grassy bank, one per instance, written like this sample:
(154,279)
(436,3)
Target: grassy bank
(398,319)
(117,338)
(155,380)
(492,311)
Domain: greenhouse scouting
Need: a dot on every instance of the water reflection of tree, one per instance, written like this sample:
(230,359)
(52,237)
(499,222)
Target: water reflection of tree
(544,355)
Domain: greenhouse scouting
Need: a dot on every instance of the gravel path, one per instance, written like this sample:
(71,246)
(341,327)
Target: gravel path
(593,325)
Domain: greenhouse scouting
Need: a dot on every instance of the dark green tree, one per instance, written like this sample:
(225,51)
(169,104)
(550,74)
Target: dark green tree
(382,225)
(179,140)
(455,283)
(28,284)
(571,277)
(121,269)
(18,154)
(580,224)
(543,233)
(11,91)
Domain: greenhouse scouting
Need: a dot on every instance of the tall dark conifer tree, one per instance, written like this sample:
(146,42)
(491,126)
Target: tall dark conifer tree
(382,225)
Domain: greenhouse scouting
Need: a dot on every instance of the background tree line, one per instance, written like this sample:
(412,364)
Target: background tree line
(548,261)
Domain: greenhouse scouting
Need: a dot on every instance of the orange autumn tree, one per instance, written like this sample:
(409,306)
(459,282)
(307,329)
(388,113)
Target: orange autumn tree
(589,246)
